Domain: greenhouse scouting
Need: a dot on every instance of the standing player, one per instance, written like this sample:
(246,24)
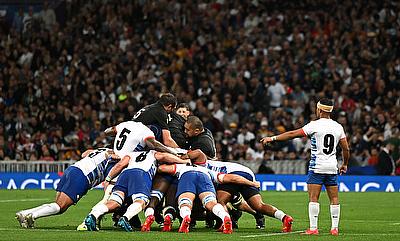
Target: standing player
(157,115)
(74,184)
(134,182)
(325,134)
(196,180)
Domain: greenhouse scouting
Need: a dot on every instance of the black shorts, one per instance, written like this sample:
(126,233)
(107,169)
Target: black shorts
(246,191)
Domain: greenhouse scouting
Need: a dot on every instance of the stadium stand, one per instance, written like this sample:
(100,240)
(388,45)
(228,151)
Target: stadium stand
(246,68)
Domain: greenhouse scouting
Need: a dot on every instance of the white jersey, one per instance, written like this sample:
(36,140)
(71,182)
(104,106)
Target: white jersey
(325,135)
(131,136)
(144,160)
(229,167)
(183,168)
(95,166)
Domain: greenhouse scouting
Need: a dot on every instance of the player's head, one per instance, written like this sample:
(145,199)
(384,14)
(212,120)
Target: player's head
(324,107)
(168,100)
(183,110)
(193,126)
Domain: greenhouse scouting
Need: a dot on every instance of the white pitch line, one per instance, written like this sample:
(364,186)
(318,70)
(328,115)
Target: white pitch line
(269,234)
(23,200)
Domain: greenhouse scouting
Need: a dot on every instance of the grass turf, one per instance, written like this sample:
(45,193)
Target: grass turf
(364,216)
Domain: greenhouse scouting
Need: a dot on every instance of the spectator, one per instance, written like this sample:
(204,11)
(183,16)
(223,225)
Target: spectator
(386,164)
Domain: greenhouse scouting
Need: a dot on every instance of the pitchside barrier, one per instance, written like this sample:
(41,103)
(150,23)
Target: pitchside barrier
(45,175)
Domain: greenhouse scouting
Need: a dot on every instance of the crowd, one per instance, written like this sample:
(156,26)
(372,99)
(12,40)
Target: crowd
(247,68)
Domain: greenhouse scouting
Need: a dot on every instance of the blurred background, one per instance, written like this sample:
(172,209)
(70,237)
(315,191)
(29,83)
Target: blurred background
(69,69)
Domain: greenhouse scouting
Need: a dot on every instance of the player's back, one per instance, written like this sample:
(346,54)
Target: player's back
(205,142)
(153,114)
(325,135)
(94,166)
(131,136)
(144,160)
(228,167)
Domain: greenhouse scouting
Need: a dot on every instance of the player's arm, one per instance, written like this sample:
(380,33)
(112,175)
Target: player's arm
(111,131)
(236,179)
(164,157)
(284,136)
(153,144)
(167,169)
(167,139)
(117,169)
(345,154)
(197,156)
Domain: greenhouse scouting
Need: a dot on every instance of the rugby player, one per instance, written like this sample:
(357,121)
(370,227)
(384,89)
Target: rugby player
(325,135)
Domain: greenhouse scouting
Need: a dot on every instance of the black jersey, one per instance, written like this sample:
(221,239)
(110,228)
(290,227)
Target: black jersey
(153,114)
(176,125)
(205,142)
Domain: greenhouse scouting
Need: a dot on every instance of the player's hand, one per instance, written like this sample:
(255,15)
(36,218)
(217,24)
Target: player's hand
(256,184)
(343,169)
(105,183)
(266,140)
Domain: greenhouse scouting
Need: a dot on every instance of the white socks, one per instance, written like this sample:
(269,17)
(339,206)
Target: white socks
(220,212)
(313,211)
(335,215)
(99,210)
(45,210)
(185,211)
(148,212)
(279,214)
(133,209)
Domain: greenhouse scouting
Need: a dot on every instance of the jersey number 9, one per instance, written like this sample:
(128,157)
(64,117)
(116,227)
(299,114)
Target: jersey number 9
(328,143)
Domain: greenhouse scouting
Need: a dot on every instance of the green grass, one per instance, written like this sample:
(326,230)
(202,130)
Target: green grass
(364,216)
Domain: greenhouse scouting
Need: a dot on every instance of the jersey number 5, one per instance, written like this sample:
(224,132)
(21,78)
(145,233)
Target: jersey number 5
(122,138)
(329,140)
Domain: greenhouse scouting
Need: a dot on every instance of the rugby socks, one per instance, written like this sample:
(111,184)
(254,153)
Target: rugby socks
(219,211)
(99,210)
(46,210)
(185,211)
(313,211)
(31,210)
(149,212)
(279,214)
(133,209)
(335,215)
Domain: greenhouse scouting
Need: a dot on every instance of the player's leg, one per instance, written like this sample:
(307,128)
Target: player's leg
(185,205)
(314,185)
(240,204)
(169,212)
(139,187)
(225,193)
(255,201)
(139,202)
(115,201)
(28,217)
(160,187)
(106,196)
(314,191)
(210,203)
(72,186)
(333,194)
